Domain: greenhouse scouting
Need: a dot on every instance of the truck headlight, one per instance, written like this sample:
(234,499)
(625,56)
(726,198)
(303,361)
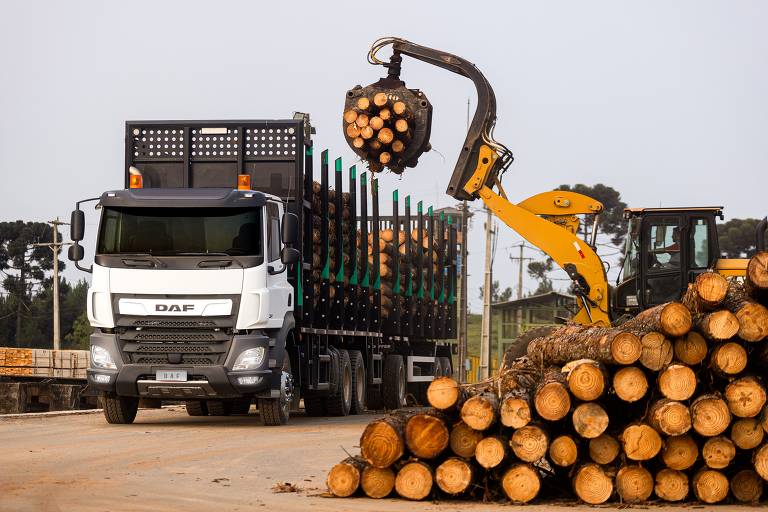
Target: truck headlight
(250,359)
(100,358)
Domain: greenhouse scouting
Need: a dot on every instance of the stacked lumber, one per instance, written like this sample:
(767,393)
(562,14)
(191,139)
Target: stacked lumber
(37,362)
(669,405)
(379,126)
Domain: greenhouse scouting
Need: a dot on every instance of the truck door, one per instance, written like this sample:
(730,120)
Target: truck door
(280,291)
(663,259)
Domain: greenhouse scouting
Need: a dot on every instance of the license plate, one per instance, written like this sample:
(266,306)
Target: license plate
(171,375)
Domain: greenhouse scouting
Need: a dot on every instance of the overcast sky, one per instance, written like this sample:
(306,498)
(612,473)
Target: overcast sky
(664,101)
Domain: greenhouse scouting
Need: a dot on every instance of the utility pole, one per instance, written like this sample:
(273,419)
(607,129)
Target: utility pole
(485,338)
(55,247)
(460,372)
(519,309)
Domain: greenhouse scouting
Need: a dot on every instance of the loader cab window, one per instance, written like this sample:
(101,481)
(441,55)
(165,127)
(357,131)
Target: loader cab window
(632,249)
(663,252)
(273,232)
(699,243)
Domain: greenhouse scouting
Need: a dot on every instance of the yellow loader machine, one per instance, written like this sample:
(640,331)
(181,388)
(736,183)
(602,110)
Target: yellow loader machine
(388,126)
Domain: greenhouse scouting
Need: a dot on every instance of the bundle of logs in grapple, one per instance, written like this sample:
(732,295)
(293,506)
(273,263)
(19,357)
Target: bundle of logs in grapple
(669,405)
(379,128)
(386,248)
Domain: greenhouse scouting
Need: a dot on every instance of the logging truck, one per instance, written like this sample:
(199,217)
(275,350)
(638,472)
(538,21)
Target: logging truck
(224,274)
(666,248)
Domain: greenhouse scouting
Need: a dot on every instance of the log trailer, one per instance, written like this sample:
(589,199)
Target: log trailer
(666,248)
(203,286)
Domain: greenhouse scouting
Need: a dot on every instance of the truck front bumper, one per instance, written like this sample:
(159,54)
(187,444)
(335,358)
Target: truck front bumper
(203,382)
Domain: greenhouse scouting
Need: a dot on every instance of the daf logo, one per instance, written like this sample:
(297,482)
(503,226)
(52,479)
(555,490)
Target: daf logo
(174,307)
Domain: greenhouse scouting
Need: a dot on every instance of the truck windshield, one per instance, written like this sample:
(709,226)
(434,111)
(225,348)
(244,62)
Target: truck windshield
(181,231)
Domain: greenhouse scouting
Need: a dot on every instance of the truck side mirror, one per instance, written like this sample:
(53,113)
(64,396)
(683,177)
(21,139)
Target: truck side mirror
(76,252)
(290,228)
(289,255)
(77,227)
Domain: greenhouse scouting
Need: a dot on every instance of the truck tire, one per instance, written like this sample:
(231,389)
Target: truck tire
(340,403)
(393,382)
(240,406)
(277,411)
(314,404)
(217,408)
(197,408)
(120,409)
(445,364)
(359,381)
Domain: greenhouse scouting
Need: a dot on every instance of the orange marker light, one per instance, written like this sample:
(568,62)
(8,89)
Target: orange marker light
(135,181)
(243,182)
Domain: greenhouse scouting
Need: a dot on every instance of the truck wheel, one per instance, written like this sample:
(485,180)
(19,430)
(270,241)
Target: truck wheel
(445,364)
(197,408)
(314,405)
(393,382)
(240,406)
(340,403)
(276,411)
(120,409)
(217,408)
(359,381)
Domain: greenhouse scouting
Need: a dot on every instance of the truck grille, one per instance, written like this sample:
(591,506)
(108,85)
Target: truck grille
(175,324)
(173,337)
(189,361)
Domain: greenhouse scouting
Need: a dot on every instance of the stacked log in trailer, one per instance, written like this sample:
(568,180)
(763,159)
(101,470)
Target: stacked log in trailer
(380,286)
(669,405)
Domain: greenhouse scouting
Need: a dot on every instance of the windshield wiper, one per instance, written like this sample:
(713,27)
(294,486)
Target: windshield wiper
(151,256)
(229,256)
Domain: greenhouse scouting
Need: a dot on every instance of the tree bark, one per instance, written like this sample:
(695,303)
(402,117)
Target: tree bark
(672,319)
(572,342)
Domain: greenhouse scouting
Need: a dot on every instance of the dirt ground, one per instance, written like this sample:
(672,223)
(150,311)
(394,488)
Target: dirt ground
(170,461)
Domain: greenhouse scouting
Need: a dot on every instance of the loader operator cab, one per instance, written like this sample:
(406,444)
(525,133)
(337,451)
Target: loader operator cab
(666,248)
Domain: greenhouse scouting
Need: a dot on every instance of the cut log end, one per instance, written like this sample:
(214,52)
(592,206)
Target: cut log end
(589,420)
(634,484)
(710,415)
(691,349)
(757,272)
(677,382)
(552,401)
(521,483)
(490,452)
(377,482)
(443,393)
(586,380)
(604,449)
(630,384)
(710,486)
(626,348)
(728,358)
(640,442)
(746,397)
(680,452)
(718,452)
(675,319)
(479,412)
(747,433)
(515,412)
(592,484)
(671,485)
(426,436)
(344,478)
(657,351)
(719,325)
(529,443)
(414,481)
(670,417)
(760,461)
(464,440)
(563,451)
(382,443)
(711,288)
(747,486)
(454,476)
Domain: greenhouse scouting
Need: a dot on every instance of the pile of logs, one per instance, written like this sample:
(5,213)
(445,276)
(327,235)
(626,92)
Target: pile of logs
(669,404)
(380,128)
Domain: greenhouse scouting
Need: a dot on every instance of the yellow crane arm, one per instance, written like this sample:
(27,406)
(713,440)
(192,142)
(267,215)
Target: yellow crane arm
(556,239)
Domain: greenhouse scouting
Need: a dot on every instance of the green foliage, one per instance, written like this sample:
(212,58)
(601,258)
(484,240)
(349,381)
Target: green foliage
(611,220)
(78,337)
(737,238)
(498,295)
(539,270)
